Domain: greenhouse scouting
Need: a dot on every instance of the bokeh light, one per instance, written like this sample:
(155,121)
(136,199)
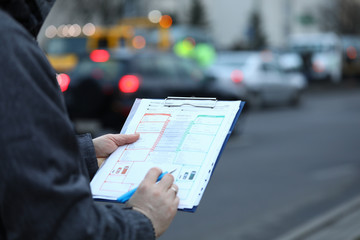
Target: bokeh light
(65,30)
(154,16)
(165,21)
(139,42)
(99,55)
(237,76)
(204,54)
(129,84)
(51,31)
(63,81)
(184,48)
(89,29)
(60,30)
(351,53)
(74,30)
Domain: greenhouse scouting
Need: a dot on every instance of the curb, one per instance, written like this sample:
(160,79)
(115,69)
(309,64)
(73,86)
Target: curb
(323,221)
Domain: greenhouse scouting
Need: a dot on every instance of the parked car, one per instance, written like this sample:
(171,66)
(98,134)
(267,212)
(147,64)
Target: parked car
(321,54)
(105,85)
(257,78)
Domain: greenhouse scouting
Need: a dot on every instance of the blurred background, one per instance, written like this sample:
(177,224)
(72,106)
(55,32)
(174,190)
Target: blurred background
(294,153)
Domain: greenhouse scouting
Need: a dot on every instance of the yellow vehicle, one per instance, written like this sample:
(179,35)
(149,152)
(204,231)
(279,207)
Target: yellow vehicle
(64,52)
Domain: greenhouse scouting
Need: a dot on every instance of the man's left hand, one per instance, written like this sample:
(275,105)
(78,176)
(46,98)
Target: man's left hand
(107,144)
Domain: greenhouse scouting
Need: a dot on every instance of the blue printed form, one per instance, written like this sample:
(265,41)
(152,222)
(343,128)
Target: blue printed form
(185,136)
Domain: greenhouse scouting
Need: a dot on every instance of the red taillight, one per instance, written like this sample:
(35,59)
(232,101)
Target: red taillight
(351,53)
(129,84)
(237,76)
(99,55)
(64,81)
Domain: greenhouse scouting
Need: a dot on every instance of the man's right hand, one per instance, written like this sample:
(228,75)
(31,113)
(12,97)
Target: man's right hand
(157,201)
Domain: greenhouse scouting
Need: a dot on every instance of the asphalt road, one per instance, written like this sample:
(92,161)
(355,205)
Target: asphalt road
(287,166)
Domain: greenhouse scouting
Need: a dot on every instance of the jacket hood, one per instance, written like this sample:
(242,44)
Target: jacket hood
(29,13)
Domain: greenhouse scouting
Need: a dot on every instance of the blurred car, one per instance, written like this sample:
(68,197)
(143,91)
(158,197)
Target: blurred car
(351,58)
(257,78)
(64,53)
(321,54)
(105,85)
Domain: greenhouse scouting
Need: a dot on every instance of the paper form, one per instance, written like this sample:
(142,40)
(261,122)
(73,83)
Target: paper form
(184,137)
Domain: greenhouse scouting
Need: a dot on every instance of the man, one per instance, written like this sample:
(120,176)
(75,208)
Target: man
(45,169)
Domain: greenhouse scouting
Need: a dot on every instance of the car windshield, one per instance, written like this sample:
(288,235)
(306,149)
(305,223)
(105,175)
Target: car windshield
(59,46)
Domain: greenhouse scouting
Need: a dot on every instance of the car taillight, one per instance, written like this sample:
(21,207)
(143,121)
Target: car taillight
(351,53)
(129,84)
(99,55)
(64,81)
(237,76)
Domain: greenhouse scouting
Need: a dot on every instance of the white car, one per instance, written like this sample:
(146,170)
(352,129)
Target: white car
(257,78)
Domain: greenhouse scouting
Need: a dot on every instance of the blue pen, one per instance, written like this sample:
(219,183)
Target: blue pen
(126,196)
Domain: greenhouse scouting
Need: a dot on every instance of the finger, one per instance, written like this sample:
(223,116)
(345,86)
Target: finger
(174,188)
(152,175)
(100,161)
(122,139)
(166,182)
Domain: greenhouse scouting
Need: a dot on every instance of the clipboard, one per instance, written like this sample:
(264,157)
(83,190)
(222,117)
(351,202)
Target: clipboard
(209,124)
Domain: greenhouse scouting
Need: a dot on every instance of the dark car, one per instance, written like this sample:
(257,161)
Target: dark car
(105,85)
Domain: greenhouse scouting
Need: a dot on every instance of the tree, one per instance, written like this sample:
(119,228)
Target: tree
(340,16)
(197,14)
(256,37)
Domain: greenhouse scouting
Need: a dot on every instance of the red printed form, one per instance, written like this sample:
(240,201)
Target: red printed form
(186,138)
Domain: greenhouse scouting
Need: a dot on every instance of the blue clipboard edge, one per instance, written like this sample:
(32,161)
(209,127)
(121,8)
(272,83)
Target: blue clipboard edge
(132,112)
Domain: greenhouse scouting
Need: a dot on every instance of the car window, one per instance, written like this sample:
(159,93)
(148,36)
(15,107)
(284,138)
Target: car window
(59,46)
(270,67)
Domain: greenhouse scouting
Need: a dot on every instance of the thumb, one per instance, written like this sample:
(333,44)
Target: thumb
(122,139)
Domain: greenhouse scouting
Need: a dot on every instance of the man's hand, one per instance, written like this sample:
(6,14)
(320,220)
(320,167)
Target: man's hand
(107,144)
(157,201)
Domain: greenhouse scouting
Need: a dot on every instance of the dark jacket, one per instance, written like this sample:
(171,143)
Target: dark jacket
(44,168)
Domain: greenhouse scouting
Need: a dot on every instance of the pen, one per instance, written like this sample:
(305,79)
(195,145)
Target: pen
(126,196)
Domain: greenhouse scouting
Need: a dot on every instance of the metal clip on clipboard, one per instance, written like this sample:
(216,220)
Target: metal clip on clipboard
(191,101)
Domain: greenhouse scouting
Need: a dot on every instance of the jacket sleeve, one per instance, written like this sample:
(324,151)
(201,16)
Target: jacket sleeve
(44,185)
(87,152)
